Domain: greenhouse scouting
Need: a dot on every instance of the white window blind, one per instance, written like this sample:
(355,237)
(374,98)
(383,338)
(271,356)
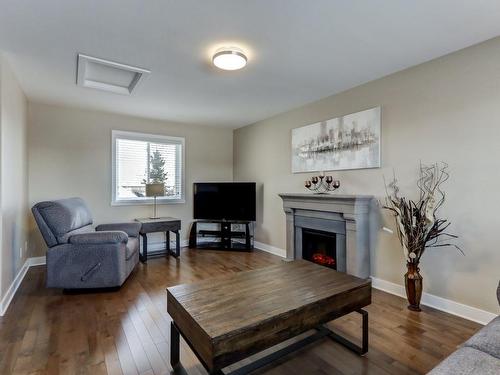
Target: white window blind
(145,158)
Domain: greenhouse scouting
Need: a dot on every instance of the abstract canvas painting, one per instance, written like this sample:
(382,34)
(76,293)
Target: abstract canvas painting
(346,142)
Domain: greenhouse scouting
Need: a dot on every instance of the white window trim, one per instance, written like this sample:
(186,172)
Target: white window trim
(147,138)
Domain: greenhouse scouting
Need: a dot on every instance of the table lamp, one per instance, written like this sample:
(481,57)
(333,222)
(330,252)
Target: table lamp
(155,190)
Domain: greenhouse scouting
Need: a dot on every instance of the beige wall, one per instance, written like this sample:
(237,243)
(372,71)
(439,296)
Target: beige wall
(13,176)
(444,110)
(70,155)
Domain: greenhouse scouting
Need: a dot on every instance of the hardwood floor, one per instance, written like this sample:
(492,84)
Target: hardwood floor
(127,332)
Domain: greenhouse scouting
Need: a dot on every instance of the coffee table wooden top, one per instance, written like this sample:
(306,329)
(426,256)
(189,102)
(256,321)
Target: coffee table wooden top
(230,317)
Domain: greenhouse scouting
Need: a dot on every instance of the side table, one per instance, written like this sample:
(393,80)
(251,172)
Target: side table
(162,224)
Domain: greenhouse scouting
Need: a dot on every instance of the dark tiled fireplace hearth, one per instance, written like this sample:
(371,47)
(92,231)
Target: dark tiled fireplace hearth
(332,230)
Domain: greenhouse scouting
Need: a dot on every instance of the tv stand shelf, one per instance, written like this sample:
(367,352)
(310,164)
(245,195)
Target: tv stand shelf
(227,237)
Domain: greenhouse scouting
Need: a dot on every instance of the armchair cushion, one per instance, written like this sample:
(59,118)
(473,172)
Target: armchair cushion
(132,229)
(132,247)
(99,238)
(65,238)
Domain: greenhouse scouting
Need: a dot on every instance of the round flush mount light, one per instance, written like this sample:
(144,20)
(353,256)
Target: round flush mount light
(229,58)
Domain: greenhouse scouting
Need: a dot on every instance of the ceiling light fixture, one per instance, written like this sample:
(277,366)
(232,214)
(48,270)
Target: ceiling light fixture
(229,58)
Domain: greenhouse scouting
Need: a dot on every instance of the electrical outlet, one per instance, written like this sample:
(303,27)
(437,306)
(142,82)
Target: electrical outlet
(20,252)
(25,247)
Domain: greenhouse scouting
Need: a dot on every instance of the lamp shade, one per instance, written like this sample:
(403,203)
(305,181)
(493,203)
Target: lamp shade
(155,190)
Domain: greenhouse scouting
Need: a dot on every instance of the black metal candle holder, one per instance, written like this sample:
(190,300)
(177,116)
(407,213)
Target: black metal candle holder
(322,184)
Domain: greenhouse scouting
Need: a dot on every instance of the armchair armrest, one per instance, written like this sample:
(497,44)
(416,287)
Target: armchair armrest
(132,229)
(99,238)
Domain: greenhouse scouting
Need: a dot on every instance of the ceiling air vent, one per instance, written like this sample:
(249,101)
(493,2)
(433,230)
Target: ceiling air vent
(107,75)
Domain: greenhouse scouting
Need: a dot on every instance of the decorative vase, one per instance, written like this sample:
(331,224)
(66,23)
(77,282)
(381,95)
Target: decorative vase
(413,286)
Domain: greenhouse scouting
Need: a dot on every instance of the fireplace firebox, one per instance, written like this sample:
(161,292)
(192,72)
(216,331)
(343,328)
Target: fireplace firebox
(319,247)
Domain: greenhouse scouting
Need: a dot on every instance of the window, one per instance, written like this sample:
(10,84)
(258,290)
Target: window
(145,158)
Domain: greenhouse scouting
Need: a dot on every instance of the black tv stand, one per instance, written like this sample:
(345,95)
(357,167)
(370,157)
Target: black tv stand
(224,236)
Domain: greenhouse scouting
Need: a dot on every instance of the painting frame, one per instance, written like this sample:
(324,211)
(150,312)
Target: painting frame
(347,142)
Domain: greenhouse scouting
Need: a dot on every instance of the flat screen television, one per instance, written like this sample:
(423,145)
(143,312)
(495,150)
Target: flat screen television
(233,201)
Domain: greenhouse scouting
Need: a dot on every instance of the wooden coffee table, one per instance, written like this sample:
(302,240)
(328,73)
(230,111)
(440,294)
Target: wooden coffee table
(229,318)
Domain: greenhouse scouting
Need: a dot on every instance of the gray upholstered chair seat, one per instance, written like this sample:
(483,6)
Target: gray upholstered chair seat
(80,256)
(132,248)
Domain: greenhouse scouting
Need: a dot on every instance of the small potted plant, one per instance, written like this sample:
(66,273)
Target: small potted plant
(418,224)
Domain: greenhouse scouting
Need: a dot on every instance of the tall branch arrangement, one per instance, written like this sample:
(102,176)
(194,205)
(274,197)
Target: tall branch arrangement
(417,223)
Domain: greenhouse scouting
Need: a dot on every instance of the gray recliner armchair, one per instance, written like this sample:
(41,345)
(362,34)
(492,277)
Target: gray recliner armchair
(81,256)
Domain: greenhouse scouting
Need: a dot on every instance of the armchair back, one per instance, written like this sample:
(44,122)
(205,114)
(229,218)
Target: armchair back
(59,219)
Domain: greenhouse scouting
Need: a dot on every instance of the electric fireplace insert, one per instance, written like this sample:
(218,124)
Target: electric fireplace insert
(319,247)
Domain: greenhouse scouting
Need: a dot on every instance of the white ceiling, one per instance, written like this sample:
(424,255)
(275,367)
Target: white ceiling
(299,50)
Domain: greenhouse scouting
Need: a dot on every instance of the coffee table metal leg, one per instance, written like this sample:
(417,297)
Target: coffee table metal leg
(363,349)
(175,334)
(167,242)
(174,346)
(144,256)
(177,244)
(365,330)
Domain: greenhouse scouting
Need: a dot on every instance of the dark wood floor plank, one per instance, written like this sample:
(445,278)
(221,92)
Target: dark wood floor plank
(158,366)
(127,332)
(111,358)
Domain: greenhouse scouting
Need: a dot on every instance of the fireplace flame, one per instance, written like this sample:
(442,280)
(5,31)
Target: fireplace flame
(323,259)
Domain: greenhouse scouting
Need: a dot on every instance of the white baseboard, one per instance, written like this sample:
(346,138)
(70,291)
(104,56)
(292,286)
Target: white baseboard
(270,249)
(36,261)
(439,303)
(7,298)
(9,295)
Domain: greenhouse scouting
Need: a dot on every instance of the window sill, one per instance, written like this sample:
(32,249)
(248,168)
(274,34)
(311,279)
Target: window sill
(149,202)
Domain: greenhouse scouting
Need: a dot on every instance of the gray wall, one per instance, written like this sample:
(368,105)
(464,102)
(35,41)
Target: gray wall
(70,155)
(13,176)
(444,110)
